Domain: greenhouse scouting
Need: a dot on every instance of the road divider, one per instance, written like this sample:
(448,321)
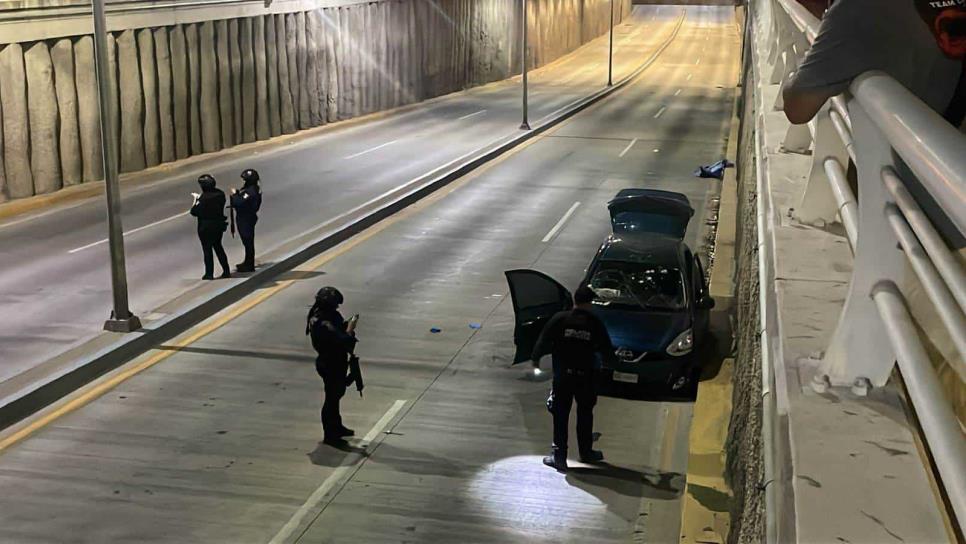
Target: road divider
(49,382)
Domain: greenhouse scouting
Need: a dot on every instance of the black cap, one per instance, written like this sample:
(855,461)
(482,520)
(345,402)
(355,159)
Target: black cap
(329,297)
(206,181)
(249,176)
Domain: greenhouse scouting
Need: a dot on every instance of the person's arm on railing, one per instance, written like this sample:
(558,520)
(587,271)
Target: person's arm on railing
(801,105)
(841,51)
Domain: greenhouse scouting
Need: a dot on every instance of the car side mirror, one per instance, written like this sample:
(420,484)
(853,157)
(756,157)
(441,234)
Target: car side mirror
(705,303)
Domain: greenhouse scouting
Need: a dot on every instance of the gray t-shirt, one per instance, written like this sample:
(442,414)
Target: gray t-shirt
(889,35)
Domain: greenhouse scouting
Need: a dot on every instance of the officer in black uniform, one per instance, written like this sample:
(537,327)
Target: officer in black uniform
(333,339)
(576,339)
(245,203)
(209,208)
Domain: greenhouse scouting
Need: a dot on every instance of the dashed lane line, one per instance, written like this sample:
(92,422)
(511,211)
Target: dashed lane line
(337,476)
(560,223)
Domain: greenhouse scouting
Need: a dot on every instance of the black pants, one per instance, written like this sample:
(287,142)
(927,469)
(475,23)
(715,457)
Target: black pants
(211,242)
(248,240)
(568,388)
(334,381)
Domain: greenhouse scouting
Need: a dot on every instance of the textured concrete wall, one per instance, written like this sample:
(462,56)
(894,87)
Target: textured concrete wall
(745,468)
(204,86)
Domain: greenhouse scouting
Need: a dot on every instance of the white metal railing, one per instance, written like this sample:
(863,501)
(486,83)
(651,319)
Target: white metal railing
(893,138)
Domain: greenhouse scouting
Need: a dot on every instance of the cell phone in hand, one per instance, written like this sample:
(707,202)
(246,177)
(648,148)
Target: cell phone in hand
(351,326)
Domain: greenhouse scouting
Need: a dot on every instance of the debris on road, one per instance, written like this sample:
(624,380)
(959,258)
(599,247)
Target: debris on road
(715,170)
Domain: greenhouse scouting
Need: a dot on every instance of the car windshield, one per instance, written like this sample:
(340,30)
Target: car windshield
(648,285)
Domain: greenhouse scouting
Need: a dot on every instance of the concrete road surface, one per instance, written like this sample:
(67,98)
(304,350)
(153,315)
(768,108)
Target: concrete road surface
(215,436)
(55,282)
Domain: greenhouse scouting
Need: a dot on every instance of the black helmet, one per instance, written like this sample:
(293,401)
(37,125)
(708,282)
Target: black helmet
(249,176)
(207,181)
(329,298)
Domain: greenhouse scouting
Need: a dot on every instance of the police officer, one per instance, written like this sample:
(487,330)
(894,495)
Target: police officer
(333,339)
(575,339)
(209,208)
(245,203)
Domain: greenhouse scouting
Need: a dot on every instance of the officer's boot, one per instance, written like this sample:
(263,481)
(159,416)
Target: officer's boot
(591,456)
(557,459)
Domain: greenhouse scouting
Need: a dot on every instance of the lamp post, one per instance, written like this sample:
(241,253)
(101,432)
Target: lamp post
(610,55)
(526,123)
(121,320)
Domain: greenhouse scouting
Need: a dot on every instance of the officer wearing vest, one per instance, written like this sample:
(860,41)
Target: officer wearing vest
(576,339)
(333,338)
(245,203)
(209,208)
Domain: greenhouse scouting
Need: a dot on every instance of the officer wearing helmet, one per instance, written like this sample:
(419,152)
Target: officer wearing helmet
(245,203)
(209,208)
(333,338)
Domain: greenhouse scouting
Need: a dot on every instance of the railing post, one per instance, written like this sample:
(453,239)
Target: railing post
(860,348)
(818,202)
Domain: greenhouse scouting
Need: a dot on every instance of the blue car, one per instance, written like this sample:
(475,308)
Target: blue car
(650,291)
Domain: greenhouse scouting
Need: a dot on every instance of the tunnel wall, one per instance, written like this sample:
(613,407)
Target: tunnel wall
(200,87)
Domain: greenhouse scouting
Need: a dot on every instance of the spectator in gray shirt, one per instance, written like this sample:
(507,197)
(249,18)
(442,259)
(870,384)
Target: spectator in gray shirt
(861,35)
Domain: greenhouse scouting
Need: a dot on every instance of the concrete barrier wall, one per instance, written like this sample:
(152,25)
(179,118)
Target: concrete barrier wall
(200,87)
(744,446)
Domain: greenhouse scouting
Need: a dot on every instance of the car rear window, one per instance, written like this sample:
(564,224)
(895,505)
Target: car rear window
(645,285)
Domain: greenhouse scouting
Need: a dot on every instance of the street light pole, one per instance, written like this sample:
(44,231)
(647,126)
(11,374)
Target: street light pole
(526,123)
(610,55)
(122,320)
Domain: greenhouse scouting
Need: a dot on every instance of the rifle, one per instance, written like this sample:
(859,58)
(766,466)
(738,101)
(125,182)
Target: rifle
(355,371)
(231,213)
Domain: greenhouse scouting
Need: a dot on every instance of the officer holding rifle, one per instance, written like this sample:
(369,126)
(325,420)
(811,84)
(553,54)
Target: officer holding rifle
(334,340)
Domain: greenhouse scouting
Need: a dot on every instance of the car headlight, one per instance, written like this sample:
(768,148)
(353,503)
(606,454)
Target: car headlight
(681,345)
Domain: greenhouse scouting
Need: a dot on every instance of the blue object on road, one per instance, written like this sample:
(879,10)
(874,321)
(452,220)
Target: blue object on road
(435,330)
(475,326)
(715,170)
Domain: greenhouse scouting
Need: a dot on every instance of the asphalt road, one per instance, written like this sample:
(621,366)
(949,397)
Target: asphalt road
(215,436)
(55,283)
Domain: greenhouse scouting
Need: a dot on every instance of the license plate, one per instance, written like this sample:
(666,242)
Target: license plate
(625,377)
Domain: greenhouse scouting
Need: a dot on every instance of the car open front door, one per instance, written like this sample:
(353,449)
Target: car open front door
(536,297)
(650,211)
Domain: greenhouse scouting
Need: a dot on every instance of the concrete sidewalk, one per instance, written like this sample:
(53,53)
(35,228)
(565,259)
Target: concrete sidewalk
(849,468)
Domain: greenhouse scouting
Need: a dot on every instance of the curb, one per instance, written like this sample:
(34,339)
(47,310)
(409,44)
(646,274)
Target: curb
(42,392)
(705,505)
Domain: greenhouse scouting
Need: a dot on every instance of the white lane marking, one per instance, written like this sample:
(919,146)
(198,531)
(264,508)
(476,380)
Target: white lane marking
(371,149)
(690,76)
(660,112)
(677,92)
(626,149)
(471,115)
(560,223)
(286,531)
(127,233)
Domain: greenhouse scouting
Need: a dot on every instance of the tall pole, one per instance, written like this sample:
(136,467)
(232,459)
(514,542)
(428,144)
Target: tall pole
(122,320)
(610,55)
(526,123)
